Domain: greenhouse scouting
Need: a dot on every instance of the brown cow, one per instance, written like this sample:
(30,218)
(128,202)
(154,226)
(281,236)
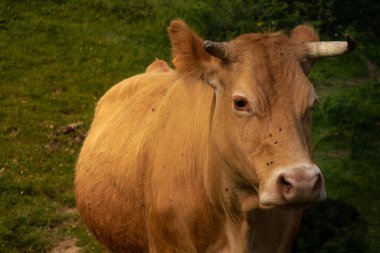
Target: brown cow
(213,156)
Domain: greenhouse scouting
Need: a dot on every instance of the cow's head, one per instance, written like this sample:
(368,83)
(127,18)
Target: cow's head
(261,125)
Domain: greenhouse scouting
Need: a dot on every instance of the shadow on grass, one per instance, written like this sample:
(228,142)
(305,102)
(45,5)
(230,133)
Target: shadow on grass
(333,226)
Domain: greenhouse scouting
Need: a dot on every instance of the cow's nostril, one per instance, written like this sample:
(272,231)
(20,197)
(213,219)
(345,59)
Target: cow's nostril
(286,186)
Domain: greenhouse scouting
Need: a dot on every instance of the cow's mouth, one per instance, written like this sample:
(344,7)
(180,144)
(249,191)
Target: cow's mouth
(278,201)
(286,206)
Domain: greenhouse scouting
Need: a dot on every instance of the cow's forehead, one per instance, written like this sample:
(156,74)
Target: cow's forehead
(263,44)
(268,68)
(273,51)
(270,61)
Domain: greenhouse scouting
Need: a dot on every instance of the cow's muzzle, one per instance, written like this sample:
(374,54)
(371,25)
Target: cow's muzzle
(301,184)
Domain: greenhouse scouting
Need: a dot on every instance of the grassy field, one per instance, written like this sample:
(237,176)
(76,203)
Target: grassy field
(57,58)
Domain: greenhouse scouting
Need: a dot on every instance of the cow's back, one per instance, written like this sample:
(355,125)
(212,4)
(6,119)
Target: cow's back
(109,178)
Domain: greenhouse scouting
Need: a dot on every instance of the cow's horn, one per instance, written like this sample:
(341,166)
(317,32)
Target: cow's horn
(331,48)
(217,49)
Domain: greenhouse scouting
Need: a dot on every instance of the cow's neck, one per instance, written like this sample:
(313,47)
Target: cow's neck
(272,230)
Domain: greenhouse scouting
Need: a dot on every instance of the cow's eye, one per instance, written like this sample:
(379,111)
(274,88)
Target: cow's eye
(241,104)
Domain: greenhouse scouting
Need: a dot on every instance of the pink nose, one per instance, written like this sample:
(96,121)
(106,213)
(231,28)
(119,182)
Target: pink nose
(300,186)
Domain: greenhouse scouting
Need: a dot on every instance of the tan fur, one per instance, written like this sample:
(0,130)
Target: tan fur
(169,166)
(158,66)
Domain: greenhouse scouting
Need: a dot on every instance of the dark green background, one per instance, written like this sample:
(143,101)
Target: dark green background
(57,58)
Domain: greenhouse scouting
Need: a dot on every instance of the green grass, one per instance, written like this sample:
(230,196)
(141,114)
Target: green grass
(346,144)
(57,58)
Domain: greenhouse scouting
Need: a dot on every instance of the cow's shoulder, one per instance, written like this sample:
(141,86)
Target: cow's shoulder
(152,84)
(125,113)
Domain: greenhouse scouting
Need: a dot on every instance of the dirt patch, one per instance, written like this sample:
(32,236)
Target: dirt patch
(66,246)
(69,211)
(66,136)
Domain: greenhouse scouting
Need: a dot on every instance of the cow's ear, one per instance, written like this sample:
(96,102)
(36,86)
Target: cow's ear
(190,57)
(302,34)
